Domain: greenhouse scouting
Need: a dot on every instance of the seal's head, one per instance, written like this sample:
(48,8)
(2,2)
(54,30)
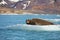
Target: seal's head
(30,22)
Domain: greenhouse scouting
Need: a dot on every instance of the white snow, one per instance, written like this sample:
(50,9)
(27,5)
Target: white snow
(3,2)
(14,0)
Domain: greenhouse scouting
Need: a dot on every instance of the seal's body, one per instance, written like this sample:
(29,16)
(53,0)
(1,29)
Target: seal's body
(38,22)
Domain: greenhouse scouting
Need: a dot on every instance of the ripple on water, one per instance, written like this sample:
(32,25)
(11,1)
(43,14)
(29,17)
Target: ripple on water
(28,35)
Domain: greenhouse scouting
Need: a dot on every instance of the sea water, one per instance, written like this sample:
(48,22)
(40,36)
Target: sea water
(20,34)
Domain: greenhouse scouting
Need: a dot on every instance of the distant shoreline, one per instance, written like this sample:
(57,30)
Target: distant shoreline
(4,10)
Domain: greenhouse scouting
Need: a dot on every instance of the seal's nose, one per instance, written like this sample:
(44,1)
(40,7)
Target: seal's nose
(27,21)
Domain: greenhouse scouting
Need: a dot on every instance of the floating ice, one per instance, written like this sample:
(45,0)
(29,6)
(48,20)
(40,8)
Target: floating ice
(35,27)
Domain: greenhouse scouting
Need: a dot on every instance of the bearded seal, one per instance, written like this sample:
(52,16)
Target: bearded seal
(38,22)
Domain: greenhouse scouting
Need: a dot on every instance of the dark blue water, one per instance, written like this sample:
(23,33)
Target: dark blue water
(12,34)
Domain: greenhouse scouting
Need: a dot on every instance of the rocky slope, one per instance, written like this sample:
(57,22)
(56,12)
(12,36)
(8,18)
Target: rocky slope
(40,6)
